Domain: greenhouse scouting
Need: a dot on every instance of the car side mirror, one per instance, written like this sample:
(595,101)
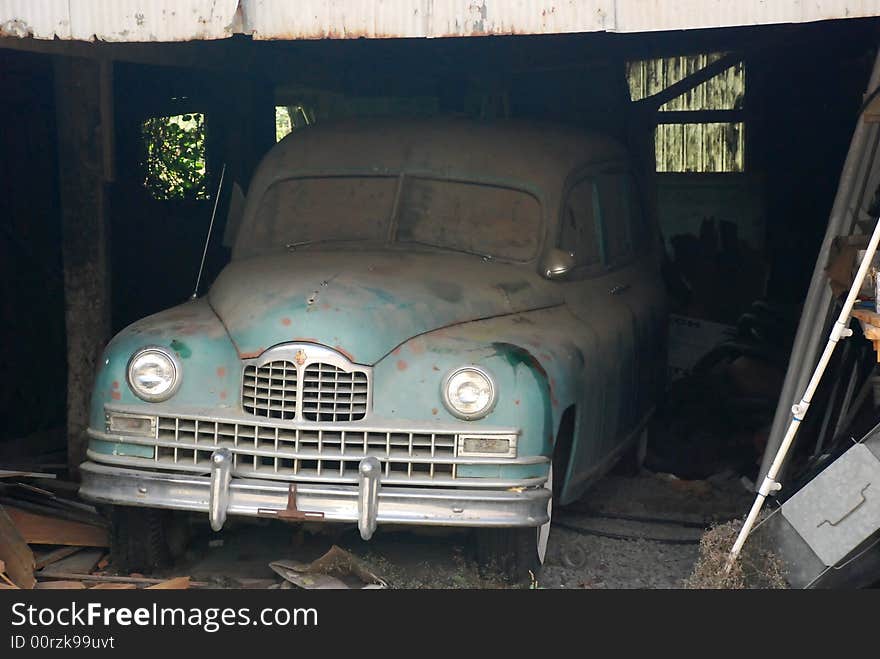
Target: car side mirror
(557,264)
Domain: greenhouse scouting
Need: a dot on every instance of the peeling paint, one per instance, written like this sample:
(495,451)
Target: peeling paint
(15,28)
(182,350)
(392,302)
(186,20)
(345,352)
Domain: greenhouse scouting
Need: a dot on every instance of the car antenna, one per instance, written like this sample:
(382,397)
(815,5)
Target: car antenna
(210,229)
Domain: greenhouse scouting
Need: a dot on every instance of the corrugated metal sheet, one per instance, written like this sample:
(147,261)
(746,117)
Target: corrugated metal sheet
(118,20)
(317,19)
(181,20)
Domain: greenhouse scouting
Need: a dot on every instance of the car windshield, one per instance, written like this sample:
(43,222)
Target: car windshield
(489,220)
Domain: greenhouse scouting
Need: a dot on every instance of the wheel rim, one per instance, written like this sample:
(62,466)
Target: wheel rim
(543,531)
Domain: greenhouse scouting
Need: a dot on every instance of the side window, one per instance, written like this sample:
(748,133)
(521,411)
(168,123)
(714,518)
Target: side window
(617,209)
(578,232)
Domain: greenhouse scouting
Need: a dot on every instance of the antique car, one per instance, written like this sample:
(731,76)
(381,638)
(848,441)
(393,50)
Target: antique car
(423,322)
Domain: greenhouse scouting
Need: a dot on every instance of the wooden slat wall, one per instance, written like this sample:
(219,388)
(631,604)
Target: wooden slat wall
(693,147)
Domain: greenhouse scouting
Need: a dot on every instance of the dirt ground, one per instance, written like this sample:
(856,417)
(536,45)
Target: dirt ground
(641,532)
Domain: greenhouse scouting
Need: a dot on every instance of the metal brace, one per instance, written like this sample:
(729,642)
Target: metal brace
(292,512)
(218,497)
(369,475)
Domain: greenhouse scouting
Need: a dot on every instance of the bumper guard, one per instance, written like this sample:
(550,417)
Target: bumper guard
(367,504)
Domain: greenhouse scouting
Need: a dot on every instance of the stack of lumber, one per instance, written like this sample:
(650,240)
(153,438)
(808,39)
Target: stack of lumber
(49,539)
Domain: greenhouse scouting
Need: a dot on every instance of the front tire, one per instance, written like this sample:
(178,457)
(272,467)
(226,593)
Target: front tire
(517,553)
(143,539)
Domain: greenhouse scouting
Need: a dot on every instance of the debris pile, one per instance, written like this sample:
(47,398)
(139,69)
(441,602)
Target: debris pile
(48,540)
(336,569)
(757,567)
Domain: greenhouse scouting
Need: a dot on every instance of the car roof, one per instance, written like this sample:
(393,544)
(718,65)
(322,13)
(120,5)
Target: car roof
(539,155)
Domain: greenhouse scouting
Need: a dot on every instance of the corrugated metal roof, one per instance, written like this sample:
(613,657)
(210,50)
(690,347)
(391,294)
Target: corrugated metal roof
(183,20)
(118,20)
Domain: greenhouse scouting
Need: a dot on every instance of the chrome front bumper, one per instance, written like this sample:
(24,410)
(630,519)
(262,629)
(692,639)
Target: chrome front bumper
(367,504)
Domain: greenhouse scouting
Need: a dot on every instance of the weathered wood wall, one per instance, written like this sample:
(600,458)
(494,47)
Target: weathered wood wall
(82,129)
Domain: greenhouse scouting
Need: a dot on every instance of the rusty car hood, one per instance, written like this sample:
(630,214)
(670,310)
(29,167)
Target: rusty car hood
(365,304)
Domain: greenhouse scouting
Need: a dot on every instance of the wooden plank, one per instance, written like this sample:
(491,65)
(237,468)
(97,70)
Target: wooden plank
(49,557)
(4,580)
(60,585)
(872,112)
(114,586)
(55,508)
(177,583)
(17,557)
(141,581)
(84,561)
(6,473)
(43,530)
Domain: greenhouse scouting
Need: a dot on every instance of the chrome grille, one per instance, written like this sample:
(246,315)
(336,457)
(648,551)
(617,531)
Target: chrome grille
(332,394)
(270,390)
(264,451)
(305,382)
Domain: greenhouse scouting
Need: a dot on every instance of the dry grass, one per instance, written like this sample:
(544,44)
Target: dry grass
(757,567)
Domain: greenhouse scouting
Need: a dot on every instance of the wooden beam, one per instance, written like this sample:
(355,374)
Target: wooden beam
(686,84)
(81,161)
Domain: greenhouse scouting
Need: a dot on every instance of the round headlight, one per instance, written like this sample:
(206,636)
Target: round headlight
(153,374)
(469,392)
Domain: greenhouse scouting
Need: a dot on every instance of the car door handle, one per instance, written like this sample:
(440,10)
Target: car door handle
(620,288)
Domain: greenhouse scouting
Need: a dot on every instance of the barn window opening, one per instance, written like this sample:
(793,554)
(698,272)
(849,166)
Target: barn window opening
(701,130)
(174,148)
(290,117)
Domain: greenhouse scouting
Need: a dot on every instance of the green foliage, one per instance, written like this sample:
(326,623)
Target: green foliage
(175,156)
(283,124)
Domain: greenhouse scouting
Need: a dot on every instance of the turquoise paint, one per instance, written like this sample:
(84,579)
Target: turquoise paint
(530,355)
(120,448)
(201,384)
(264,301)
(181,349)
(502,346)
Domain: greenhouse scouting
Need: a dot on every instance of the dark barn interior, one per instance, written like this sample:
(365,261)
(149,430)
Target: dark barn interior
(88,245)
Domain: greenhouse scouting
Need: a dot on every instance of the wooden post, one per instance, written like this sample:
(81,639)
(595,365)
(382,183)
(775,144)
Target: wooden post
(81,161)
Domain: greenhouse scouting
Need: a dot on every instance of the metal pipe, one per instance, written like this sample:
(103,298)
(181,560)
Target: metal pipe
(817,303)
(839,330)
